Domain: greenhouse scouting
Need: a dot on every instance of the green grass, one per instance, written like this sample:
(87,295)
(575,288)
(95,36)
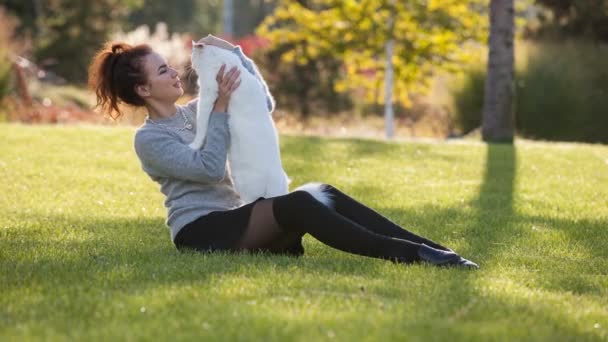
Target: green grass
(85,255)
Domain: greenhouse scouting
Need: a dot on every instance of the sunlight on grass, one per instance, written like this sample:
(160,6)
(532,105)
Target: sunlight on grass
(85,254)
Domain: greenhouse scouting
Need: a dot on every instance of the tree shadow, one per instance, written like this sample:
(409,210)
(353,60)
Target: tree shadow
(126,256)
(487,218)
(494,205)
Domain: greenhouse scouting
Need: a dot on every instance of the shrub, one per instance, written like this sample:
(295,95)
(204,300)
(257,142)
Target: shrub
(468,90)
(7,27)
(7,47)
(560,92)
(5,74)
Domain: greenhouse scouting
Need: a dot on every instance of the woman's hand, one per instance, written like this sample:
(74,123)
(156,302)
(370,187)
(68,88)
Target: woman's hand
(215,41)
(227,83)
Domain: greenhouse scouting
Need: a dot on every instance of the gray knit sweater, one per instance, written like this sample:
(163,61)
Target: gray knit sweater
(195,182)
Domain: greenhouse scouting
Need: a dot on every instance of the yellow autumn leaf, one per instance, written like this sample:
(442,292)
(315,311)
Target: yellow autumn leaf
(288,57)
(340,86)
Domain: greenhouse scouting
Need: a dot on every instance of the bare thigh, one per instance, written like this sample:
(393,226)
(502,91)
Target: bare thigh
(263,232)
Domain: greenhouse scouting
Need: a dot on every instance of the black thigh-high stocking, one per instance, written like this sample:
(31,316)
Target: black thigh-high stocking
(276,221)
(263,233)
(299,213)
(371,220)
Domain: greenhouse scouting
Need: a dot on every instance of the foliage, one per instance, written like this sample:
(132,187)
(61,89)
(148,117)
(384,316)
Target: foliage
(67,33)
(10,46)
(563,91)
(467,93)
(5,75)
(251,44)
(85,254)
(62,95)
(26,11)
(560,92)
(198,17)
(307,88)
(575,18)
(428,36)
(175,47)
(6,31)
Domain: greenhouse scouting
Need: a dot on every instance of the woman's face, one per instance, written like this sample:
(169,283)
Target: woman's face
(163,81)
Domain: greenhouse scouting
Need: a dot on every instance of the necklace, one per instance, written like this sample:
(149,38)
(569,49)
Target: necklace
(187,124)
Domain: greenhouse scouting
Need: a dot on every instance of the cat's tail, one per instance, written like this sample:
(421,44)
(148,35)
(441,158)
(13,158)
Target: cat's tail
(319,191)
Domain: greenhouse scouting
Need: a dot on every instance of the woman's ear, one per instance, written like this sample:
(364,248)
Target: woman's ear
(142,90)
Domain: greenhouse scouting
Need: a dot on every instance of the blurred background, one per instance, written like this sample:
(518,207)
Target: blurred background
(325,61)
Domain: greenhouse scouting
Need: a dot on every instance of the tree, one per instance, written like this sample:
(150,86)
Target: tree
(26,11)
(428,37)
(199,17)
(497,117)
(66,33)
(302,85)
(7,47)
(71,31)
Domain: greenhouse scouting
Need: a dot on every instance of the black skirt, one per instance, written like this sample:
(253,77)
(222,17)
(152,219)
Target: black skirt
(221,231)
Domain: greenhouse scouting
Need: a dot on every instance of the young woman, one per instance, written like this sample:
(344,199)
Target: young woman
(204,211)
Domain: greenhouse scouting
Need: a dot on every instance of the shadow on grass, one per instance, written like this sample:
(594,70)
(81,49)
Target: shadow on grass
(133,254)
(494,229)
(128,260)
(491,220)
(125,256)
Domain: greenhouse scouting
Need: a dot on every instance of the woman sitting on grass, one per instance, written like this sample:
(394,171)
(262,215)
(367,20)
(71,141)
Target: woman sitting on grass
(204,211)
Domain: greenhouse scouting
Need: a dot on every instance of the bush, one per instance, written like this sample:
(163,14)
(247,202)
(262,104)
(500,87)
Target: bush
(307,88)
(560,92)
(7,27)
(5,75)
(468,90)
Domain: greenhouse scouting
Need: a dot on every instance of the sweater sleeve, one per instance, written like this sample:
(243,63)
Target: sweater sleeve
(251,67)
(162,154)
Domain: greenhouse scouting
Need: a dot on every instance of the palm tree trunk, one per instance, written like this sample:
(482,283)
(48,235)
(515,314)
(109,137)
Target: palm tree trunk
(498,120)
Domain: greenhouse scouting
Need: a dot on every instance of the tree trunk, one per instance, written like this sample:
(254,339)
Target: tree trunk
(498,120)
(303,88)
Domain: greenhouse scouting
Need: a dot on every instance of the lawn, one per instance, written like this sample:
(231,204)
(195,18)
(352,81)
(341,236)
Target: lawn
(85,255)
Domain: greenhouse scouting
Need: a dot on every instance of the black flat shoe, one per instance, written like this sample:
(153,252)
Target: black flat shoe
(440,257)
(467,263)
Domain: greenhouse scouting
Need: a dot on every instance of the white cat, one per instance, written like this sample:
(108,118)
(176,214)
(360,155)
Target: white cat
(254,156)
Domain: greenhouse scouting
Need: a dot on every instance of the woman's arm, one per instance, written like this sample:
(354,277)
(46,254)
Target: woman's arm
(162,154)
